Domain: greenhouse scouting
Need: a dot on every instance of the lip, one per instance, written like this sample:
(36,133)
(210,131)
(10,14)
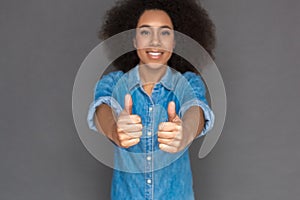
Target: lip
(154,54)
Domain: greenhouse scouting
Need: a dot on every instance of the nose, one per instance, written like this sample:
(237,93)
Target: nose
(155,40)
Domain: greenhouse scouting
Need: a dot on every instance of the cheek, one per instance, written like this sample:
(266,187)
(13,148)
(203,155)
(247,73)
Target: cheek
(168,44)
(141,55)
(172,43)
(141,42)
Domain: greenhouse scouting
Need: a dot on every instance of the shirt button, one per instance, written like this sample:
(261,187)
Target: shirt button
(148,157)
(149,181)
(149,133)
(150,109)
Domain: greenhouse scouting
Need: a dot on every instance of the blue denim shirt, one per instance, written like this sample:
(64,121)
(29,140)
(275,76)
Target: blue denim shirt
(143,171)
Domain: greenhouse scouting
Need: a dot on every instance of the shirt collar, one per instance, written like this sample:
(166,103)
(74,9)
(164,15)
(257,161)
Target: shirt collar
(134,78)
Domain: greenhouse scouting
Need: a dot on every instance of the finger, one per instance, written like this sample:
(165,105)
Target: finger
(165,141)
(177,120)
(128,103)
(166,135)
(128,136)
(129,143)
(171,111)
(130,128)
(129,119)
(136,134)
(169,126)
(123,136)
(169,142)
(168,148)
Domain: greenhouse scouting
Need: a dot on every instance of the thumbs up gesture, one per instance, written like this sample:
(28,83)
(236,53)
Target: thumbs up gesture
(170,135)
(129,127)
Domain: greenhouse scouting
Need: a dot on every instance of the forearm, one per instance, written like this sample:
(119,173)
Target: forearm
(193,122)
(105,121)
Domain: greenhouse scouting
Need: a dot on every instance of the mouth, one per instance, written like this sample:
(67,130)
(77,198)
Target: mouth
(154,54)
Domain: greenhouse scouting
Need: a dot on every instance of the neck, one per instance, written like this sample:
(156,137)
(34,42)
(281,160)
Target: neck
(151,75)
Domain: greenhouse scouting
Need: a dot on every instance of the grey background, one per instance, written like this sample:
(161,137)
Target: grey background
(42,46)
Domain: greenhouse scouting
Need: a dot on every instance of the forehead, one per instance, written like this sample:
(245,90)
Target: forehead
(155,18)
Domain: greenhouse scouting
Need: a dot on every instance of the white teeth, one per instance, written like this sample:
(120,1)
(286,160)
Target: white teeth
(154,53)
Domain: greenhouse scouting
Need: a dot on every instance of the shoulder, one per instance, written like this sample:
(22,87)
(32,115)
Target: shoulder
(104,86)
(112,76)
(193,79)
(187,77)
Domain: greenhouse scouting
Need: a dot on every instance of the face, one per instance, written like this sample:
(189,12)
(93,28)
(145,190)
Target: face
(154,39)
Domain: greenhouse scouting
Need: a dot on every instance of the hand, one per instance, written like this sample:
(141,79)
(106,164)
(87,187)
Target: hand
(129,127)
(170,134)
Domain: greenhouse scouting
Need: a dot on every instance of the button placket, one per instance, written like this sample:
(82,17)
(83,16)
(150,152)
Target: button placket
(149,149)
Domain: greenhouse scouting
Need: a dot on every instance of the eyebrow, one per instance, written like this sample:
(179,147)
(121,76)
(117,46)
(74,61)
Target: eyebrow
(165,26)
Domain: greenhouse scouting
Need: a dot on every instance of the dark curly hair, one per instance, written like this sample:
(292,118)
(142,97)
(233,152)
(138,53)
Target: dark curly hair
(188,17)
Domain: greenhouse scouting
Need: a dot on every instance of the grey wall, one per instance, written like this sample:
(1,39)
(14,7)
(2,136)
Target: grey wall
(42,46)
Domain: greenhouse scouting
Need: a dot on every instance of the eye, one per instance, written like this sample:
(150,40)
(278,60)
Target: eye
(145,32)
(166,32)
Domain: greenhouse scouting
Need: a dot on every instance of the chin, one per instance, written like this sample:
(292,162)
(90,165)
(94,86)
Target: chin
(153,65)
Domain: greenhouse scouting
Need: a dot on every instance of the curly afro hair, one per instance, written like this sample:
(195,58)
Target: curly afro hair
(188,17)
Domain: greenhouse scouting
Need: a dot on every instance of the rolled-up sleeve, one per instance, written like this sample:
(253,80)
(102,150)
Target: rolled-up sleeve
(199,99)
(103,95)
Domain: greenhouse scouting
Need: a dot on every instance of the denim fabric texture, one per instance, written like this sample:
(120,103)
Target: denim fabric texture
(143,171)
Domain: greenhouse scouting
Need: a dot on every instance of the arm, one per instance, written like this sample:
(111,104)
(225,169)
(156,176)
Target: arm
(193,121)
(195,117)
(103,95)
(126,130)
(176,134)
(106,123)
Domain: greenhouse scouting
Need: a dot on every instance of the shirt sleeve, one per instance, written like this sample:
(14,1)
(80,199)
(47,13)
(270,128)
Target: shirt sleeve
(103,95)
(199,99)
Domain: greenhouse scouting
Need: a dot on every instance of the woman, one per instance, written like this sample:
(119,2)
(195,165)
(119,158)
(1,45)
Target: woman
(158,110)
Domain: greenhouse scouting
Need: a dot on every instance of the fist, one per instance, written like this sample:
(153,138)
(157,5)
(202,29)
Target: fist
(129,127)
(170,134)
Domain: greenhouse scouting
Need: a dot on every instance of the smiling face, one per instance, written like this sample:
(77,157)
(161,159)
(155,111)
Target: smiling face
(154,39)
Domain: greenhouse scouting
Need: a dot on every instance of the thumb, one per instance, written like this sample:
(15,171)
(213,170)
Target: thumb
(128,103)
(171,111)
